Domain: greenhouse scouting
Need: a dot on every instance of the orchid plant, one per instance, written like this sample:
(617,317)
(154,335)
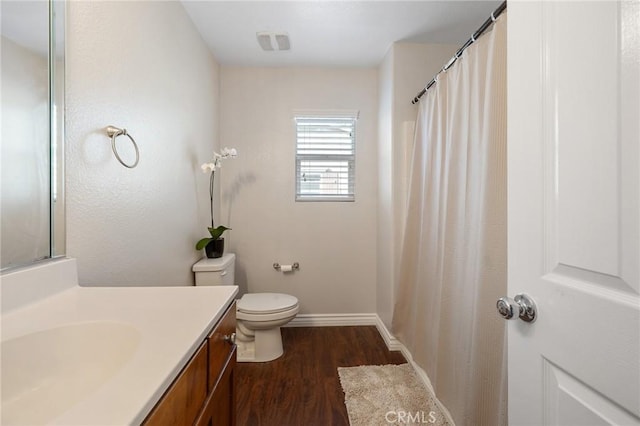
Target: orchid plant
(216,163)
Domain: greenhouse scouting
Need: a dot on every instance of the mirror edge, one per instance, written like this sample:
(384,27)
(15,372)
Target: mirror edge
(57,81)
(57,57)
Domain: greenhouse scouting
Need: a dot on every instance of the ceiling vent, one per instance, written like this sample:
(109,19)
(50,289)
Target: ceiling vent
(271,41)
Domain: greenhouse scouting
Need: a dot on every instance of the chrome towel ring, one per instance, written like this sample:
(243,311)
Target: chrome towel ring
(113,132)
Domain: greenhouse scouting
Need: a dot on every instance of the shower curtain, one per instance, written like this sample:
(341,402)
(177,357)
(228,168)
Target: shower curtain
(453,266)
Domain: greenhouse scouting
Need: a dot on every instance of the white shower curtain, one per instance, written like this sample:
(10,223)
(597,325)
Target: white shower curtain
(454,259)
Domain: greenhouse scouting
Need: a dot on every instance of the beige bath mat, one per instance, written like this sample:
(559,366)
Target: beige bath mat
(387,395)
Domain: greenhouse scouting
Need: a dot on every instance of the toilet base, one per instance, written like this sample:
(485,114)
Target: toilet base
(265,346)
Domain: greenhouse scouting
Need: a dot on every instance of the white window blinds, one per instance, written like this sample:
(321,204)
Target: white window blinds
(325,158)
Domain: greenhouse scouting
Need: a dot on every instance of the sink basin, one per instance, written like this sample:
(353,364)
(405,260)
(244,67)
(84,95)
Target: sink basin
(55,368)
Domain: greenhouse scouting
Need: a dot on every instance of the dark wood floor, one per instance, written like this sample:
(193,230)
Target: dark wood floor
(302,387)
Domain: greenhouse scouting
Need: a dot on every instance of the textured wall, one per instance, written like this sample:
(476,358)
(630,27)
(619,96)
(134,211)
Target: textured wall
(334,242)
(139,65)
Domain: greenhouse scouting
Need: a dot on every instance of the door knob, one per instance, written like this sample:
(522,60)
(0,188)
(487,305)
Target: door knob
(522,305)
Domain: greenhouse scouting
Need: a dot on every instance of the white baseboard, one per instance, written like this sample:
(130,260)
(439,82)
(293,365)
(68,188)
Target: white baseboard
(332,320)
(342,320)
(392,343)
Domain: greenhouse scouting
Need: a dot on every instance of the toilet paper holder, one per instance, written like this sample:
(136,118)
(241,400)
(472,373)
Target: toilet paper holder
(279,267)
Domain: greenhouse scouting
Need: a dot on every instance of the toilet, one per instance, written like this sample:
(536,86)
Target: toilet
(259,315)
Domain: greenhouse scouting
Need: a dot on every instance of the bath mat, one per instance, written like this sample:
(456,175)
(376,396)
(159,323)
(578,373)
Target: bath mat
(386,395)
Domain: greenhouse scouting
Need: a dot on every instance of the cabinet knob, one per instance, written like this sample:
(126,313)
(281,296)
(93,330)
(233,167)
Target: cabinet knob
(230,338)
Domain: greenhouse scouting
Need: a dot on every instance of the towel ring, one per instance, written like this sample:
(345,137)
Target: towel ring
(113,133)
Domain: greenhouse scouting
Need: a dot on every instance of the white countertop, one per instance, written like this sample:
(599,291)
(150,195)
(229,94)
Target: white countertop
(171,323)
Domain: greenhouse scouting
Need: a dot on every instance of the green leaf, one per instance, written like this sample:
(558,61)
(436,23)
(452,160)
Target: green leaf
(217,231)
(202,243)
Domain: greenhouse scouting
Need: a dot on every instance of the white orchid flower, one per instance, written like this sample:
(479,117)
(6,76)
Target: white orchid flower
(229,152)
(211,167)
(217,159)
(208,167)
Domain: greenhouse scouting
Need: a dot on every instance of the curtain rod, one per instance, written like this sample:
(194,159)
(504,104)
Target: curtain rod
(474,37)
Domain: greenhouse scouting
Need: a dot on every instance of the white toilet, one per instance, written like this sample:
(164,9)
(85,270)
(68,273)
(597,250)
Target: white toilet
(259,315)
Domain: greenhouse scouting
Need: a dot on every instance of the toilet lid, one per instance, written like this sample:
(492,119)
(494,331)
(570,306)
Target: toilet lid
(266,303)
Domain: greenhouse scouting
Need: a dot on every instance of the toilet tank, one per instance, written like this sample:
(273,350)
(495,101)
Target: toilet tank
(220,271)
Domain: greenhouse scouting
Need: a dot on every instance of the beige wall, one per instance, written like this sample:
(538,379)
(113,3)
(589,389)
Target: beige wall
(335,243)
(142,66)
(405,70)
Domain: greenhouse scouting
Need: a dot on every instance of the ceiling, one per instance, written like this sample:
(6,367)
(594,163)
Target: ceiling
(331,33)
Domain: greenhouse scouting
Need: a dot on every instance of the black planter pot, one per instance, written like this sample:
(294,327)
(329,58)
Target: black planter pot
(215,248)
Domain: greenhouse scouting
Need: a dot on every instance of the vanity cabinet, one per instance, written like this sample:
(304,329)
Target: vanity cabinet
(204,392)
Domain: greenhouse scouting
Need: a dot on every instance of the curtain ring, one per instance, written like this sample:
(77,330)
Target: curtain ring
(493,18)
(114,132)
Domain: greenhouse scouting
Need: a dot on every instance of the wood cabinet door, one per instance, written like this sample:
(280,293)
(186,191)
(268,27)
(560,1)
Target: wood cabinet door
(183,401)
(223,401)
(220,407)
(220,345)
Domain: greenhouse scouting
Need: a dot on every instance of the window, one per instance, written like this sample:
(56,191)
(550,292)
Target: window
(325,157)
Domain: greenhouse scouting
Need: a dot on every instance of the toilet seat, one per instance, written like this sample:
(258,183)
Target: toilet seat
(265,319)
(266,303)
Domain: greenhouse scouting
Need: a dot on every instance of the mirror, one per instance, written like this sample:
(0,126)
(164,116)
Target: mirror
(32,102)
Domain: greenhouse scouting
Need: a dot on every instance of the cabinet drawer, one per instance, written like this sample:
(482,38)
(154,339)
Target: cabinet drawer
(183,400)
(219,348)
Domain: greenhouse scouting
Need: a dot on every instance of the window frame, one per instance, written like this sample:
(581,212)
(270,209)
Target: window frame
(350,158)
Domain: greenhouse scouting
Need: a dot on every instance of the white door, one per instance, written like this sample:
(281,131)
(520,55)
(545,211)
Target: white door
(574,231)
